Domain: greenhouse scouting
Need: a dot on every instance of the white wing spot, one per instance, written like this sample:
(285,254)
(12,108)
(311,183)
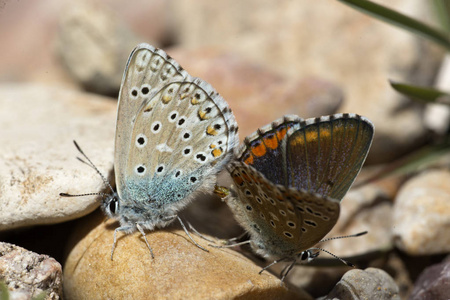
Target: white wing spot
(163,148)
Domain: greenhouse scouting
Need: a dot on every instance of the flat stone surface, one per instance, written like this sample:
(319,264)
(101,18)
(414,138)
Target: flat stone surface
(422,214)
(38,158)
(179,270)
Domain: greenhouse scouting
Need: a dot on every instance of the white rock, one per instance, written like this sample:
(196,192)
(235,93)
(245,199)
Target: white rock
(38,158)
(422,214)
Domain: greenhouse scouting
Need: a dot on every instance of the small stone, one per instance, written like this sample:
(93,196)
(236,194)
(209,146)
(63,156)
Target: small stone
(433,283)
(28,274)
(38,158)
(422,214)
(370,283)
(180,270)
(94,45)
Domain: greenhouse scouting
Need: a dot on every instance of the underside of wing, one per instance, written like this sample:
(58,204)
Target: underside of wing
(281,221)
(148,69)
(182,136)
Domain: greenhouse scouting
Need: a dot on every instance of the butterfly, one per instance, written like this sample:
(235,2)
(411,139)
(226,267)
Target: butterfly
(174,133)
(288,180)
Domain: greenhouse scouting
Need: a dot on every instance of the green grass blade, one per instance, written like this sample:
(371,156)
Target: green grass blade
(442,11)
(400,20)
(424,94)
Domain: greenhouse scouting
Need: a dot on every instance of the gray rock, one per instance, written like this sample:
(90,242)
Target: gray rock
(28,274)
(433,283)
(371,283)
(94,45)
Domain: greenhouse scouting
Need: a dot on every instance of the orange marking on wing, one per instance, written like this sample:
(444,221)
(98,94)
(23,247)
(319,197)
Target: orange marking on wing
(247,178)
(166,99)
(202,115)
(281,133)
(211,131)
(249,160)
(259,150)
(216,152)
(298,140)
(271,142)
(238,179)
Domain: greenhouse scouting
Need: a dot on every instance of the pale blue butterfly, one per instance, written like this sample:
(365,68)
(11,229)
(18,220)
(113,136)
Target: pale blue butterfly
(174,133)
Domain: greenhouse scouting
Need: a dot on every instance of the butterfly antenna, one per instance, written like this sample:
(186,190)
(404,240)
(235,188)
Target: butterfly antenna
(82,195)
(335,256)
(91,164)
(344,236)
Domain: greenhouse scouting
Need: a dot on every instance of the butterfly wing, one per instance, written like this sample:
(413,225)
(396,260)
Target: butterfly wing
(181,139)
(177,135)
(148,70)
(265,149)
(324,155)
(281,222)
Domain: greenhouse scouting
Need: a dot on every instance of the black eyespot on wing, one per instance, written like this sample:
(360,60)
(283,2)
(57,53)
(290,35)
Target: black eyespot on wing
(141,141)
(145,90)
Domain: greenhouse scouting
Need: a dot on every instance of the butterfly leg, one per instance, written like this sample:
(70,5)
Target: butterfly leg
(126,228)
(286,270)
(230,245)
(189,235)
(271,264)
(145,238)
(195,231)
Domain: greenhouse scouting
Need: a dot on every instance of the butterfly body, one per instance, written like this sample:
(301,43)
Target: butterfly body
(174,133)
(290,176)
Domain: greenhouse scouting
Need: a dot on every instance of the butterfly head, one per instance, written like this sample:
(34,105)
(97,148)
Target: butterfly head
(307,256)
(111,206)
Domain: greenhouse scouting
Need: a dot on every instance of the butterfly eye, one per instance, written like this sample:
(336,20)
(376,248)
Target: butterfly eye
(111,205)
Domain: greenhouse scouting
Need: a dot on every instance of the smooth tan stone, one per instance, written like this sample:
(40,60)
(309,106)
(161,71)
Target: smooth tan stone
(422,214)
(38,158)
(179,270)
